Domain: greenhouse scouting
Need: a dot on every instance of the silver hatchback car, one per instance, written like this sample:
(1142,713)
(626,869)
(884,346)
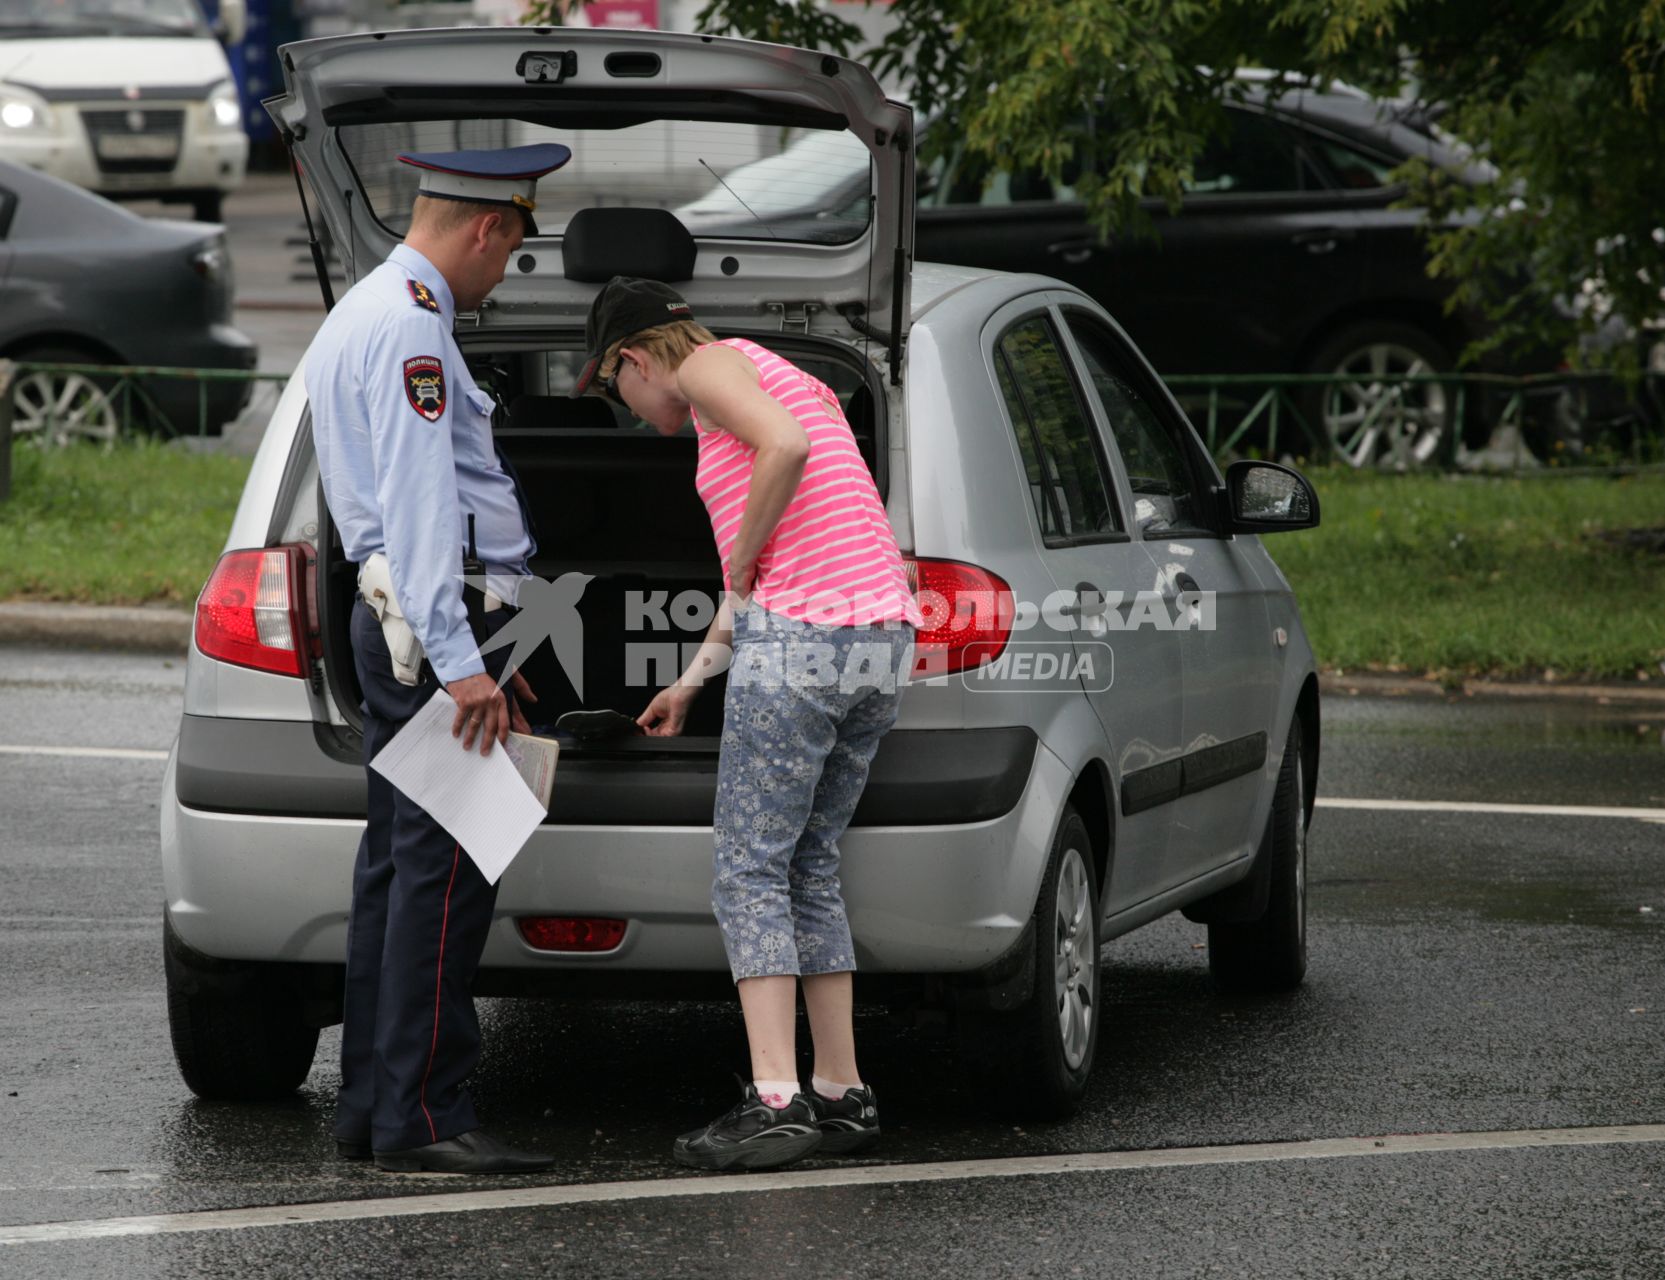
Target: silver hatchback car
(1115,714)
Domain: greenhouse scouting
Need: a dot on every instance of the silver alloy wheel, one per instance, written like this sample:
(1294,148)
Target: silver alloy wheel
(1371,422)
(56,409)
(1075,959)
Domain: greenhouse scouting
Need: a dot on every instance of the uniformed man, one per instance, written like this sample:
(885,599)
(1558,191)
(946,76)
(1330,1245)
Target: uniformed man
(409,469)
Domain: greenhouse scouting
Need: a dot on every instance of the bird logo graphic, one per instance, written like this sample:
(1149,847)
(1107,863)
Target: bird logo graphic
(548,611)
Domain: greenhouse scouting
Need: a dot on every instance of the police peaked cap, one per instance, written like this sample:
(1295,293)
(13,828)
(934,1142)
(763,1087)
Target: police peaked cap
(508,176)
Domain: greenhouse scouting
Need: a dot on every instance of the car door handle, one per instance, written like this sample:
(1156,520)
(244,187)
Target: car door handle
(1089,603)
(1185,584)
(1323,240)
(1074,252)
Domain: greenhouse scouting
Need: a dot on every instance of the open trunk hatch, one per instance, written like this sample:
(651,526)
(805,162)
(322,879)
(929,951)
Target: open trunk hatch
(790,168)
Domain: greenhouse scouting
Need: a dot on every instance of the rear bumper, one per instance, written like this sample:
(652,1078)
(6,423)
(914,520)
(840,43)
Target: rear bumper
(937,897)
(302,769)
(210,402)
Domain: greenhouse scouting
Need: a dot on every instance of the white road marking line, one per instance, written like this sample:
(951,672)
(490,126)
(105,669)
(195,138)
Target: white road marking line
(859,1175)
(92,753)
(1481,806)
(34,922)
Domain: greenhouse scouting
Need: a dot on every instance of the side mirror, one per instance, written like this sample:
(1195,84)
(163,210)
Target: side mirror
(233,23)
(1268,497)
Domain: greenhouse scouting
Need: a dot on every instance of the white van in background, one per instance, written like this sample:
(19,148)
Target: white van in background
(130,98)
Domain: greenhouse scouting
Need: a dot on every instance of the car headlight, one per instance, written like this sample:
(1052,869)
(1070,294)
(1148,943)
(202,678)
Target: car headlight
(224,107)
(23,115)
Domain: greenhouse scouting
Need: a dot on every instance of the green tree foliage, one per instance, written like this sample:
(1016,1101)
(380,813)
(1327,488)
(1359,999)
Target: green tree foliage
(1561,98)
(1564,99)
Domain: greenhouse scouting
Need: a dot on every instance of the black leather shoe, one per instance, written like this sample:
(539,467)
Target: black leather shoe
(347,1149)
(471,1152)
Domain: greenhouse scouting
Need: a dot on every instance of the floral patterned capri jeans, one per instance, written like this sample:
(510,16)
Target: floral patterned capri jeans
(805,710)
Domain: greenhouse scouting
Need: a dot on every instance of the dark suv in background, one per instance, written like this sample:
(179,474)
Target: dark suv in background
(1287,255)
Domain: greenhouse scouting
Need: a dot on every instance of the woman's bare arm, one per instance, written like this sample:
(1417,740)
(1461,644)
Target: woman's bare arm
(723,385)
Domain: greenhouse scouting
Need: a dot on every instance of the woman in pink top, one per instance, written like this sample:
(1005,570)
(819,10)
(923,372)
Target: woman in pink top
(817,632)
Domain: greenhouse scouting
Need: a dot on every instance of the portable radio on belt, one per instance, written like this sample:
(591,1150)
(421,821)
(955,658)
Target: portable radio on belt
(474,593)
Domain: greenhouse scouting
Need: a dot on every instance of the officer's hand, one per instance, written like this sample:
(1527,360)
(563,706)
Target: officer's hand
(668,711)
(482,709)
(523,693)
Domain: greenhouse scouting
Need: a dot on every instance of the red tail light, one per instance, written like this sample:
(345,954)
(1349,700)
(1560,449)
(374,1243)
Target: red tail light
(964,606)
(255,610)
(571,933)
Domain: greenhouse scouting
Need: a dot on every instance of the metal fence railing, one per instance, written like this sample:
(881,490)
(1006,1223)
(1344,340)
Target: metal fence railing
(1391,420)
(57,403)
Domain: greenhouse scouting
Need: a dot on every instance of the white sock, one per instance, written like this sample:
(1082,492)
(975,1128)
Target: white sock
(831,1089)
(777,1093)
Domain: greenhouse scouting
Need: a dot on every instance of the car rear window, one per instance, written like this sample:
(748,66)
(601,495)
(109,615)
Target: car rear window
(736,181)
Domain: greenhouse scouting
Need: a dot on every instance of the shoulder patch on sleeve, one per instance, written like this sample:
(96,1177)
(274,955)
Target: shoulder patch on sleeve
(422,296)
(425,386)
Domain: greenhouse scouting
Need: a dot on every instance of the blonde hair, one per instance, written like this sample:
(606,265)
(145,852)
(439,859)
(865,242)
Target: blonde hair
(668,344)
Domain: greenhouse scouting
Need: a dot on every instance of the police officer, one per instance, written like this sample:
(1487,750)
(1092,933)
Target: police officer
(406,455)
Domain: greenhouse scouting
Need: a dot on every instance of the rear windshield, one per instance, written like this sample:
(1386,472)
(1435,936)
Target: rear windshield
(735,181)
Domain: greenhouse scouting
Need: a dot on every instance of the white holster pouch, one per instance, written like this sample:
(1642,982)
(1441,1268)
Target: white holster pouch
(375,585)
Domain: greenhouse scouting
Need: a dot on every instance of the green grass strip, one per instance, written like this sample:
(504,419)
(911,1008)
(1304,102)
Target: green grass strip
(1468,575)
(1453,575)
(141,523)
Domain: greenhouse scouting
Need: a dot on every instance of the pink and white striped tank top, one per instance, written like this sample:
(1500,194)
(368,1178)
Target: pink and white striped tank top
(832,559)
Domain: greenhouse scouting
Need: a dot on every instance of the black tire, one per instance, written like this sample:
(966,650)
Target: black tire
(238,1030)
(208,206)
(1042,1072)
(1270,954)
(1413,427)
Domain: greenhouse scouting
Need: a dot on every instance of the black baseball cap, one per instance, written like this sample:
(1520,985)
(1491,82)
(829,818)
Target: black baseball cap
(626,305)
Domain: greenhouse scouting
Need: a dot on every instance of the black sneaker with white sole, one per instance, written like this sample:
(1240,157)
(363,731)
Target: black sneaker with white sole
(847,1124)
(752,1135)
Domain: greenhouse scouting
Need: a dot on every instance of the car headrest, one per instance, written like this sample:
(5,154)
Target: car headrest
(599,244)
(561,413)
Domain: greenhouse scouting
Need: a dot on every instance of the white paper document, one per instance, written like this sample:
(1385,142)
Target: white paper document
(481,801)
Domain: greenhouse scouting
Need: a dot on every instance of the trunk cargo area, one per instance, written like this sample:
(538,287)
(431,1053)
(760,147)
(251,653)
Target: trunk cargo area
(614,501)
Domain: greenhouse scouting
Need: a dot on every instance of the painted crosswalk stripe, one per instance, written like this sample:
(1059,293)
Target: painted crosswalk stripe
(813,1179)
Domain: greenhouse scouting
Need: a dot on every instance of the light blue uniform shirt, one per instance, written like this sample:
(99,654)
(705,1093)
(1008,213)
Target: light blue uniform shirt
(404,444)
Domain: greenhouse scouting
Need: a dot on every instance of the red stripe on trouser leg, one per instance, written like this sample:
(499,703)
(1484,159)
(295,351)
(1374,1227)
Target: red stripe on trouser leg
(439,986)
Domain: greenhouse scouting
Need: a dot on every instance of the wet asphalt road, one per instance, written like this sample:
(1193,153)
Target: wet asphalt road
(1470,972)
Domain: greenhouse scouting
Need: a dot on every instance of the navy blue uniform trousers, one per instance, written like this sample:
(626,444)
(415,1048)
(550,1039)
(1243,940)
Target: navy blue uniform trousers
(421,911)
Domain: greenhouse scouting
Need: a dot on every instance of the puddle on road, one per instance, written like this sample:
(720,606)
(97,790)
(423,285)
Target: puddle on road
(1536,753)
(1390,901)
(1503,724)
